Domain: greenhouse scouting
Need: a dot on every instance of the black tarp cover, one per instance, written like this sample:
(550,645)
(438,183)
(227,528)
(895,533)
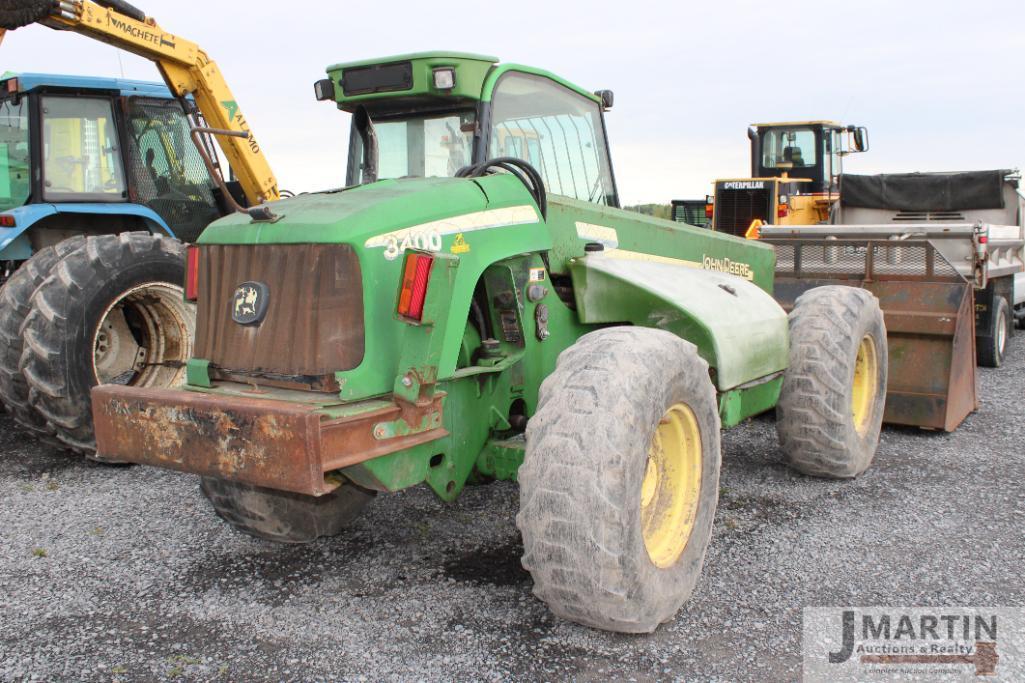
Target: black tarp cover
(967,191)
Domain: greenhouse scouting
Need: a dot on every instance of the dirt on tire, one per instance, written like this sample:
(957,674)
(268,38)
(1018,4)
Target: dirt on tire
(581,480)
(281,516)
(15,297)
(814,419)
(58,332)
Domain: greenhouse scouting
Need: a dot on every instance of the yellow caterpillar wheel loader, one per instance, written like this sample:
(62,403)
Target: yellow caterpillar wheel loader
(101,180)
(943,252)
(795,171)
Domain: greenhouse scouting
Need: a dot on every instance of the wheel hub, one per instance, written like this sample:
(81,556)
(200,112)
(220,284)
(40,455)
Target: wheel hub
(144,337)
(864,385)
(671,488)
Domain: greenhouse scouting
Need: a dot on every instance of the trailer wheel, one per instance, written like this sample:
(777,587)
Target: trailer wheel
(281,516)
(17,13)
(619,484)
(830,410)
(991,353)
(14,306)
(111,311)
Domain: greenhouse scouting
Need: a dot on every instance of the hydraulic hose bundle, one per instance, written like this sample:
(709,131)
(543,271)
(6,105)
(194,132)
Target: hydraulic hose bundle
(519,168)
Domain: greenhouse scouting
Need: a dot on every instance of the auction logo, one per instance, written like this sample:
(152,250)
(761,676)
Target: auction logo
(898,644)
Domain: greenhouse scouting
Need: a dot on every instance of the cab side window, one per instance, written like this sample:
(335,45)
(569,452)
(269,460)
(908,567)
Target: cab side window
(81,156)
(556,130)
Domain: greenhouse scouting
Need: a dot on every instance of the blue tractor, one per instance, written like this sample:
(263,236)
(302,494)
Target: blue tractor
(100,185)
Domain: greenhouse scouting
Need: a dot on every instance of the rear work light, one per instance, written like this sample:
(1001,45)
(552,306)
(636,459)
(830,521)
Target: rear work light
(416,273)
(191,273)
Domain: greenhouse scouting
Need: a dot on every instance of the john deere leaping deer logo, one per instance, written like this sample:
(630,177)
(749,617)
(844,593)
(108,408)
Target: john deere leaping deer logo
(249,305)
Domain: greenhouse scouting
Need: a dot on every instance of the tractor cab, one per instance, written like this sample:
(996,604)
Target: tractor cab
(96,155)
(795,175)
(433,114)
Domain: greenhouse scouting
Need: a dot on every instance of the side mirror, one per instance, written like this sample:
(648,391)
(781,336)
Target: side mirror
(607,99)
(860,139)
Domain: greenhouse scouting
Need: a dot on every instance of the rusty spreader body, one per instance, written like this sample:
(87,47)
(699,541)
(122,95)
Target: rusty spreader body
(928,307)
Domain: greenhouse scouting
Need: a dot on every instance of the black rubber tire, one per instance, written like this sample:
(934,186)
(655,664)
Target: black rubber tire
(14,306)
(580,483)
(991,348)
(814,418)
(65,309)
(281,516)
(17,13)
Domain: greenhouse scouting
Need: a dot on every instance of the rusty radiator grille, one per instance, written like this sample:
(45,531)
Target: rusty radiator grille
(314,321)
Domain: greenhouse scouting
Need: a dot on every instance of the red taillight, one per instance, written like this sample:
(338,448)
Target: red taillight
(191,273)
(415,276)
(983,239)
(7,221)
(782,211)
(709,209)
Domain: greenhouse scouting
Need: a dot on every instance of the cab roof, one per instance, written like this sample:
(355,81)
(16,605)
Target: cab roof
(830,124)
(388,81)
(126,87)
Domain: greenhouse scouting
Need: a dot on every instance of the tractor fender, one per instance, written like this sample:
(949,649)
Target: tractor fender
(14,244)
(737,326)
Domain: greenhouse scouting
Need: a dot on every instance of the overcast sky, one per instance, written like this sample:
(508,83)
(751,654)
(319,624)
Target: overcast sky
(938,83)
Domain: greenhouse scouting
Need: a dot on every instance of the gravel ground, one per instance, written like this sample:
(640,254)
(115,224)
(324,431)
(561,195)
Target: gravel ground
(125,574)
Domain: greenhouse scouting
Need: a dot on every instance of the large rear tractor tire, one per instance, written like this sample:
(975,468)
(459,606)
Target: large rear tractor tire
(991,349)
(620,481)
(281,516)
(830,410)
(111,311)
(14,306)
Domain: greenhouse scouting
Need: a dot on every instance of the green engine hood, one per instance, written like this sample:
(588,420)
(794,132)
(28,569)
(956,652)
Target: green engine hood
(357,214)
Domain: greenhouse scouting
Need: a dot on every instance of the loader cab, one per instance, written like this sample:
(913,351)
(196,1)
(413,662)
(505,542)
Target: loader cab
(431,114)
(102,146)
(811,150)
(795,176)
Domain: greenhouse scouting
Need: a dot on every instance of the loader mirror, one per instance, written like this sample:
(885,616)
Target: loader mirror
(607,99)
(860,139)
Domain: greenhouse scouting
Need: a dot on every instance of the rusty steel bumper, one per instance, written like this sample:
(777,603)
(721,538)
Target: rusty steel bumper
(266,442)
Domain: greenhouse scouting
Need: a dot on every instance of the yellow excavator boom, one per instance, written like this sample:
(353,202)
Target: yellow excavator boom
(187,70)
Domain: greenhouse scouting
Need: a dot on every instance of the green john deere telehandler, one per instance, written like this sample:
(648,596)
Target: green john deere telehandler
(474,304)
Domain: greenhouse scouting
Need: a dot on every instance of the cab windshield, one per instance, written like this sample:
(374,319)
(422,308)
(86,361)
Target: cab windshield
(15,185)
(420,146)
(786,148)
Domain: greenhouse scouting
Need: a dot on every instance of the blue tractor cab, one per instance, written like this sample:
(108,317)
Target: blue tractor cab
(87,156)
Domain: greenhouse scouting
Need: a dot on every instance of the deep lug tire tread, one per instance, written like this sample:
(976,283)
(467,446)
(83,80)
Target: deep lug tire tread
(55,323)
(284,517)
(15,297)
(580,481)
(813,418)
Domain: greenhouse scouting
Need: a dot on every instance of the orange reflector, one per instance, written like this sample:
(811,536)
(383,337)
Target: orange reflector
(415,275)
(7,221)
(191,273)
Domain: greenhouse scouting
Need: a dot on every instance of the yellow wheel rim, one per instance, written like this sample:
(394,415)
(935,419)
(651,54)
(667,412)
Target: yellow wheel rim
(863,391)
(672,486)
